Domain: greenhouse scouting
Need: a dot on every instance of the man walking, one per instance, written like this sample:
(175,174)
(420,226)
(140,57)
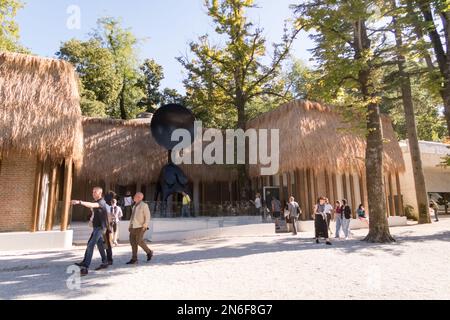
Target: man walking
(139,224)
(294,212)
(185,212)
(100,226)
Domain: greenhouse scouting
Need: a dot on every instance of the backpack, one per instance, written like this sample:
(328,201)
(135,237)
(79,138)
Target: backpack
(347,212)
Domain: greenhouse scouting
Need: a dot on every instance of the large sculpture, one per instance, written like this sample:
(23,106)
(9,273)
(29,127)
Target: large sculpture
(165,121)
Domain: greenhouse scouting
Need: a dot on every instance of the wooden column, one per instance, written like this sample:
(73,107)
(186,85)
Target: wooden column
(289,186)
(37,196)
(362,190)
(344,186)
(316,187)
(310,193)
(327,187)
(399,195)
(388,209)
(391,194)
(197,198)
(281,189)
(68,171)
(52,199)
(352,195)
(335,192)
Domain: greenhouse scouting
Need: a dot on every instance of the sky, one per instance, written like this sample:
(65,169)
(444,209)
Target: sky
(166,27)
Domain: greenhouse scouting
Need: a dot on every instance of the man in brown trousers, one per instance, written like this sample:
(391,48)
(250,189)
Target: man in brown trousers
(139,223)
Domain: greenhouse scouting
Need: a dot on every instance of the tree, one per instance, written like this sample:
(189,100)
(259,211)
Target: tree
(299,79)
(408,104)
(169,96)
(109,71)
(153,74)
(122,44)
(100,84)
(351,58)
(9,30)
(423,14)
(222,81)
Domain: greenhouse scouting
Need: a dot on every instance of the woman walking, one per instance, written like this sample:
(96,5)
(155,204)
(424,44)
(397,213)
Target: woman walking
(339,218)
(320,218)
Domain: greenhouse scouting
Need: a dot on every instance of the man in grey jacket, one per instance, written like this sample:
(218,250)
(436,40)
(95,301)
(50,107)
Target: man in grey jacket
(139,224)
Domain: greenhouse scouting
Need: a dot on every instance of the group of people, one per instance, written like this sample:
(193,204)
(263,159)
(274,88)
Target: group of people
(106,215)
(323,214)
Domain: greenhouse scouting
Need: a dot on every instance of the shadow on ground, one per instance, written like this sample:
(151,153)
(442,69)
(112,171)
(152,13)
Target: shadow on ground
(47,275)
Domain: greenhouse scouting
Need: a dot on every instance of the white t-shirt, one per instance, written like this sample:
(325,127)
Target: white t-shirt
(258,203)
(328,208)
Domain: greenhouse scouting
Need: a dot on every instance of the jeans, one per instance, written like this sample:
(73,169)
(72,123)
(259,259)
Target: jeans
(96,239)
(339,225)
(346,227)
(185,211)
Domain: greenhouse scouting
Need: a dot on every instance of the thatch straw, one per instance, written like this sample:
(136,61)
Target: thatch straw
(39,107)
(124,152)
(314,137)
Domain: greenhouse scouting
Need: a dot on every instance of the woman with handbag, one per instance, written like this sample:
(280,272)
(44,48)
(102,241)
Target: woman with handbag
(320,221)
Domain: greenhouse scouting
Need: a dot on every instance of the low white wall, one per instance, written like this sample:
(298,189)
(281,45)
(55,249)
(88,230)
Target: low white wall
(17,241)
(355,224)
(191,228)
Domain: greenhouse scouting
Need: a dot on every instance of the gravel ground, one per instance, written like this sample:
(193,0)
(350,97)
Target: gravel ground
(272,267)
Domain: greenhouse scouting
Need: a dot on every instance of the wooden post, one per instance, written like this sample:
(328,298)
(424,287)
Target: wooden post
(68,171)
(352,195)
(311,200)
(197,198)
(316,187)
(304,194)
(289,186)
(327,186)
(391,194)
(37,196)
(335,192)
(388,209)
(399,195)
(281,189)
(52,199)
(344,185)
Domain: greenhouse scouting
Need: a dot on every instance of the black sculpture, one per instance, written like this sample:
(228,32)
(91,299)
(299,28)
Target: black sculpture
(165,121)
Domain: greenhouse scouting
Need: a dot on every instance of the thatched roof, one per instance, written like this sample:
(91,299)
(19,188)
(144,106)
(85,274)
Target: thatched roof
(39,107)
(122,152)
(313,136)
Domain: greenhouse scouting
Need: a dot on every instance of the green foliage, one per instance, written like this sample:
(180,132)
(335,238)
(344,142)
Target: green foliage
(95,65)
(224,83)
(9,30)
(153,74)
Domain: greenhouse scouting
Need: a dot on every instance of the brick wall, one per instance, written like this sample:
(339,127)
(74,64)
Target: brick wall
(17,175)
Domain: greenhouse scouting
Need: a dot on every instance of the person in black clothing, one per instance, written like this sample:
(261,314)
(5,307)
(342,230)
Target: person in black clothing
(100,226)
(347,214)
(109,197)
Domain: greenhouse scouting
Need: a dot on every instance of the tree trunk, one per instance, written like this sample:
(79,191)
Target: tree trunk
(441,55)
(123,111)
(379,226)
(411,128)
(243,175)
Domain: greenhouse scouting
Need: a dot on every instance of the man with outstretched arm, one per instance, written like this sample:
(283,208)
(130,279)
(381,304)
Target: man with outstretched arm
(100,226)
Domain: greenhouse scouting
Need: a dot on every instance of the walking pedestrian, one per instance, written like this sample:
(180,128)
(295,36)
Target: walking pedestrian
(294,213)
(185,209)
(116,215)
(100,226)
(347,213)
(128,205)
(276,210)
(329,212)
(339,219)
(139,224)
(320,221)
